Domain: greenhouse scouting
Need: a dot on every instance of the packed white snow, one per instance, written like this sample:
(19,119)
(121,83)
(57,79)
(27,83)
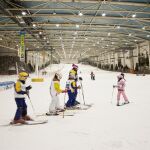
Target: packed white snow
(105,126)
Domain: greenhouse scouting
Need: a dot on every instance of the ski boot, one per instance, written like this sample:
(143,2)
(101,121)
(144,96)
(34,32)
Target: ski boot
(19,121)
(52,113)
(27,118)
(126,102)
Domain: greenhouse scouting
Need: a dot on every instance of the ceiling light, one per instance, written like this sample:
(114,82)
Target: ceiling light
(103,14)
(98,42)
(143,28)
(57,25)
(134,15)
(148,35)
(54,13)
(118,27)
(40,32)
(22,22)
(108,34)
(24,13)
(77,26)
(86,38)
(130,34)
(60,38)
(34,25)
(44,38)
(135,40)
(80,14)
(102,39)
(75,32)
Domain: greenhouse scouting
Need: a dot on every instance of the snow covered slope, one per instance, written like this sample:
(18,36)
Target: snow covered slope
(103,127)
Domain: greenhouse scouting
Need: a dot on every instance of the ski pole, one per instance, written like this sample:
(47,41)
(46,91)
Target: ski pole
(31,102)
(82,92)
(64,105)
(112,95)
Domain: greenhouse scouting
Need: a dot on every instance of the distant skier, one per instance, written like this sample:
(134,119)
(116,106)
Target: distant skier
(21,90)
(72,88)
(55,90)
(92,76)
(121,89)
(74,72)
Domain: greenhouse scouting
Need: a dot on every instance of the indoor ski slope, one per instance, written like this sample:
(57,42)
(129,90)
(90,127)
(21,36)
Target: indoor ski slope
(103,127)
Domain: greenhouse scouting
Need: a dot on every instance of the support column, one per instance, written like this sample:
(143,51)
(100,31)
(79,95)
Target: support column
(131,59)
(149,52)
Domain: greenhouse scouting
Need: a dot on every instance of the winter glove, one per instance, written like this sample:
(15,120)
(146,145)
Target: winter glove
(79,87)
(80,78)
(64,91)
(29,87)
(114,86)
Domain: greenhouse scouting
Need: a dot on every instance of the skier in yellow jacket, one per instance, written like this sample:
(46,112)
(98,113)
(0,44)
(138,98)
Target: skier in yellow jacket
(21,90)
(55,90)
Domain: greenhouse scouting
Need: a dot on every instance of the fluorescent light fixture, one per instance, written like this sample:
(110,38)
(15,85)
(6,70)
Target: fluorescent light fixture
(103,14)
(77,26)
(57,25)
(118,27)
(80,14)
(24,13)
(134,15)
(34,25)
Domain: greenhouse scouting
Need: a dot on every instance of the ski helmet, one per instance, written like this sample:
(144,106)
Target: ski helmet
(74,66)
(23,75)
(120,76)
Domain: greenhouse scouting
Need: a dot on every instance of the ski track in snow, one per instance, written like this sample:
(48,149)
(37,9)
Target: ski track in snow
(102,127)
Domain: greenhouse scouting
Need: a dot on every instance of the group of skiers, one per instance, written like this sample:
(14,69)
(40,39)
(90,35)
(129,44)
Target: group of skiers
(21,90)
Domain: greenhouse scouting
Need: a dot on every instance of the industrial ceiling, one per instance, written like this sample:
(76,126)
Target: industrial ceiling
(75,28)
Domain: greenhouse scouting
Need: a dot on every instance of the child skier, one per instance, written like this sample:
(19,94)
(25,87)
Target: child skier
(121,89)
(92,76)
(20,91)
(71,87)
(55,90)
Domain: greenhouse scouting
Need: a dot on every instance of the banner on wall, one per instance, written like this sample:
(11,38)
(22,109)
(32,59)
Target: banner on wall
(22,46)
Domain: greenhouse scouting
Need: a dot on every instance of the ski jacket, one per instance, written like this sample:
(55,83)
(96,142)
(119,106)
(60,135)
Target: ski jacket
(20,89)
(55,88)
(121,85)
(71,85)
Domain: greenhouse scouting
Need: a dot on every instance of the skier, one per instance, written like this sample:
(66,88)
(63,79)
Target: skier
(71,87)
(20,91)
(55,90)
(92,76)
(74,72)
(121,89)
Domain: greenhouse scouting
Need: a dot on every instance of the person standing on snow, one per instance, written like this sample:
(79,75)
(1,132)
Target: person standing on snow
(71,87)
(74,73)
(92,76)
(55,90)
(121,89)
(21,90)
